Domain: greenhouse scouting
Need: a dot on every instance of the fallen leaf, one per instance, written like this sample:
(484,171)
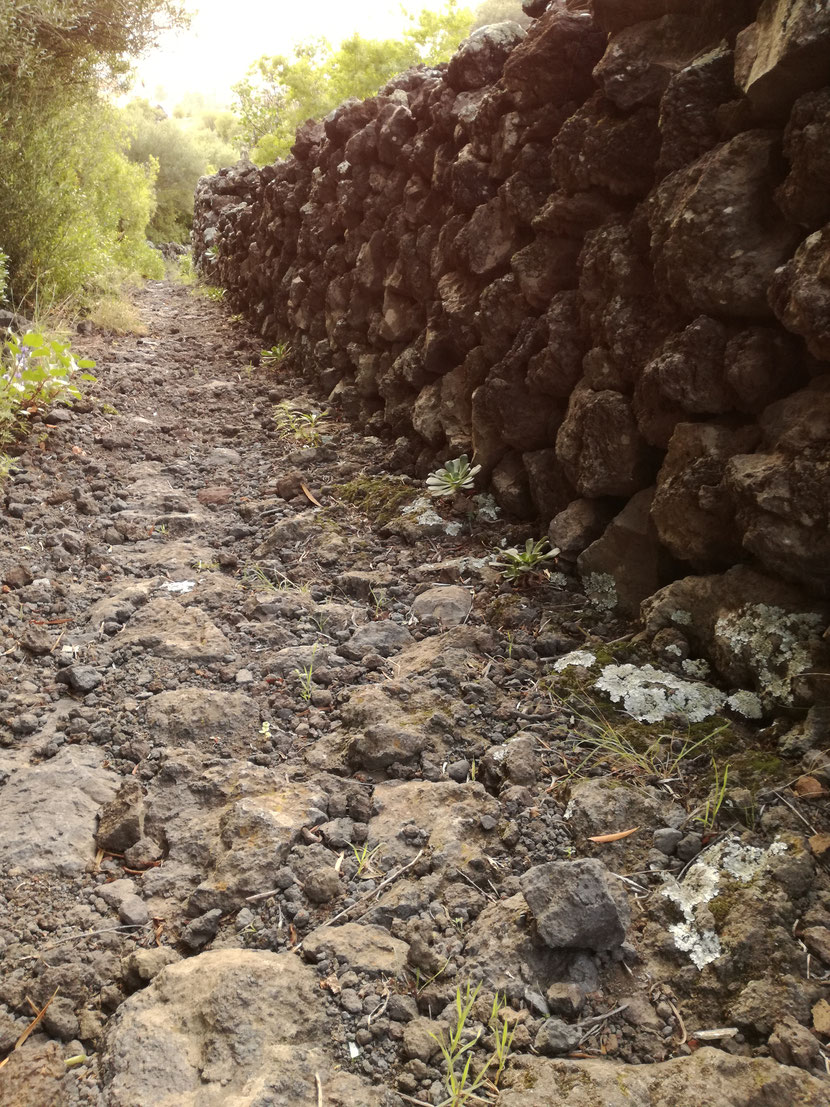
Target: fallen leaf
(309,496)
(601,839)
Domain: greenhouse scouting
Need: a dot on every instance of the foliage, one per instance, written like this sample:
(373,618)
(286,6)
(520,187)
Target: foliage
(517,564)
(708,816)
(72,207)
(305,675)
(500,11)
(274,357)
(37,372)
(304,426)
(461,1083)
(4,275)
(116,313)
(279,92)
(181,150)
(454,476)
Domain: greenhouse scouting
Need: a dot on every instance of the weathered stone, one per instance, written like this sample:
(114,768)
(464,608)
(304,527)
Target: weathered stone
(214,1027)
(640,61)
(120,821)
(34,1076)
(49,812)
(784,53)
(361,946)
(450,606)
(480,60)
(732,1081)
(804,197)
(628,554)
(553,65)
(191,714)
(167,629)
(579,524)
(759,632)
(573,905)
(715,245)
(780,491)
(800,293)
(693,508)
(599,445)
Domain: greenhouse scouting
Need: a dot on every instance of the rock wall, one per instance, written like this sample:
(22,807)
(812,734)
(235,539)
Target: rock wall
(597,254)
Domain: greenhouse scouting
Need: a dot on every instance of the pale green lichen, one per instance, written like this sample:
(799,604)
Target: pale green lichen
(582,659)
(651,695)
(700,886)
(601,590)
(771,643)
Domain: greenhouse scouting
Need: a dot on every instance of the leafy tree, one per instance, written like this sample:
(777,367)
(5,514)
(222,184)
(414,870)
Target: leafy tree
(279,92)
(500,11)
(72,207)
(182,149)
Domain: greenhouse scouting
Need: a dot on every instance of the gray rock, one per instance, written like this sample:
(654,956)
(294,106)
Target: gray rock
(573,905)
(121,894)
(363,947)
(556,1037)
(450,606)
(323,884)
(228,1026)
(202,929)
(666,839)
(709,1076)
(383,637)
(689,846)
(49,811)
(80,678)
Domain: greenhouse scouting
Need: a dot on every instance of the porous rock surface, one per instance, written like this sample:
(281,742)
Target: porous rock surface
(594,253)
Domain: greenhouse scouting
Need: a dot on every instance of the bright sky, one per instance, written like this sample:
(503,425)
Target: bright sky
(227,35)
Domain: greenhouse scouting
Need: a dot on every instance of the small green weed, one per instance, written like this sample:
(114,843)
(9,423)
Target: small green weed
(254,576)
(461,1084)
(276,355)
(304,426)
(708,816)
(213,292)
(305,676)
(517,565)
(36,372)
(365,857)
(453,477)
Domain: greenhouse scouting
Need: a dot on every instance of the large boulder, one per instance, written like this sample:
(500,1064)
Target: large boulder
(784,53)
(709,1076)
(230,1026)
(800,293)
(715,241)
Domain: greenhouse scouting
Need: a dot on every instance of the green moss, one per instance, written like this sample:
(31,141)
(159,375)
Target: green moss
(381,498)
(754,768)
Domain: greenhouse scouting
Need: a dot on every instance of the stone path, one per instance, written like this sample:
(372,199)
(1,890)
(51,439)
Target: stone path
(286,765)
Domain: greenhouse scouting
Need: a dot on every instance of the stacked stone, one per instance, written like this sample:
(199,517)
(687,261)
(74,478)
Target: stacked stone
(595,254)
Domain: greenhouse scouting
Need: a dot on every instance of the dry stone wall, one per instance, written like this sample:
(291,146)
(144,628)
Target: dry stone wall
(597,254)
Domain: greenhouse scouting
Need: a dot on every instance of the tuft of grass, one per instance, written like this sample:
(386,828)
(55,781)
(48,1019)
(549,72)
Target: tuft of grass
(118,315)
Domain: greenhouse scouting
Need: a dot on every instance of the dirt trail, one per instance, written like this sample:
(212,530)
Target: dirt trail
(286,764)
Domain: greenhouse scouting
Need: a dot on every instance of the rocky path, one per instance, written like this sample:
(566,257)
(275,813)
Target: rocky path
(289,772)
